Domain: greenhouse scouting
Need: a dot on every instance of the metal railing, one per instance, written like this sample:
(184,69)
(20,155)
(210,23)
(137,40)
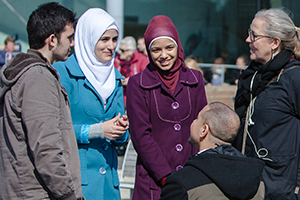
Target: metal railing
(227,66)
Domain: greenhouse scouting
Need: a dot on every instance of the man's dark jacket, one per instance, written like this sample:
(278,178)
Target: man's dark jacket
(219,173)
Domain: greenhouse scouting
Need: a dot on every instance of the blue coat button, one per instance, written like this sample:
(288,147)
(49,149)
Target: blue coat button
(102,170)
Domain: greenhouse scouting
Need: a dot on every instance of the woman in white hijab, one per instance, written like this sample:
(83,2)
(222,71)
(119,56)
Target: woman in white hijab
(96,99)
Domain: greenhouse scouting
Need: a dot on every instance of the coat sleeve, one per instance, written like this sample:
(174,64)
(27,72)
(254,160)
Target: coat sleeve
(173,189)
(140,129)
(41,107)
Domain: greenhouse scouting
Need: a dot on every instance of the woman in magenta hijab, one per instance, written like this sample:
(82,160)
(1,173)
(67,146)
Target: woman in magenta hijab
(162,102)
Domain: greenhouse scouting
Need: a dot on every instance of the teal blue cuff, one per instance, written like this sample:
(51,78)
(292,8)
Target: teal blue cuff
(83,138)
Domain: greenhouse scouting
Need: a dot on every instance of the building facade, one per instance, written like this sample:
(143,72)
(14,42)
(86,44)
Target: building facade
(207,28)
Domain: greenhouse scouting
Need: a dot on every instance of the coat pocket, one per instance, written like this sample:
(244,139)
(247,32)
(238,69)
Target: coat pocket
(280,163)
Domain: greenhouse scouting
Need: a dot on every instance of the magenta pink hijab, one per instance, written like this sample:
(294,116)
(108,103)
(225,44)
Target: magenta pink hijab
(158,26)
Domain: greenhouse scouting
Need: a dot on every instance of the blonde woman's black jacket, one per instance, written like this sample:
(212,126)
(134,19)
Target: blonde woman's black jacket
(274,131)
(219,173)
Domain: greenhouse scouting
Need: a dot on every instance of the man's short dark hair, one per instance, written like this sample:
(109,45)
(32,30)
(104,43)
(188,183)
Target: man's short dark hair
(49,18)
(222,120)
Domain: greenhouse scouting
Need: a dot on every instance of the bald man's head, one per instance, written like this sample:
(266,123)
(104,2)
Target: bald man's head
(222,120)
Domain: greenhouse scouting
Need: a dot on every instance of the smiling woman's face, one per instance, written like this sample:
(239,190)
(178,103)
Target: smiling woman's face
(106,45)
(163,53)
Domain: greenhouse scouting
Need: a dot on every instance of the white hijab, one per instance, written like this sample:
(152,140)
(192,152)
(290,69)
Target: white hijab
(90,27)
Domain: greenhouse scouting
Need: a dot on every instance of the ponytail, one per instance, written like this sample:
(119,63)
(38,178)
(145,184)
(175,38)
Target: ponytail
(297,43)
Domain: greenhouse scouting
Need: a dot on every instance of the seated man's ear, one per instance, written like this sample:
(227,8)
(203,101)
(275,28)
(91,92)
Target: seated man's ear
(204,131)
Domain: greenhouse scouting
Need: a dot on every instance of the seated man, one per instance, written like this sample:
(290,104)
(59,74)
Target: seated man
(218,171)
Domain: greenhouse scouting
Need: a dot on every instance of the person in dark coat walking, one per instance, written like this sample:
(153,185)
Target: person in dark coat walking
(268,102)
(218,170)
(162,102)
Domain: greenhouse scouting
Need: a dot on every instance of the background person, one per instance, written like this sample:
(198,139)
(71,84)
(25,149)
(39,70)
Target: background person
(268,100)
(39,157)
(242,61)
(8,49)
(162,102)
(191,63)
(233,77)
(129,61)
(218,170)
(96,96)
(214,75)
(141,47)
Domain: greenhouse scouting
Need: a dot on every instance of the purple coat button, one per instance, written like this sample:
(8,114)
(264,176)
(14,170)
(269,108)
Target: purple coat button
(177,127)
(178,167)
(175,105)
(179,147)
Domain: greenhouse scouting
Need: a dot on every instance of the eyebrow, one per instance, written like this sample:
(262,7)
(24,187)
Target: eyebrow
(171,44)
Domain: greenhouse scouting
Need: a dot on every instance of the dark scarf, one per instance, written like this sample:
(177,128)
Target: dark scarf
(264,75)
(125,67)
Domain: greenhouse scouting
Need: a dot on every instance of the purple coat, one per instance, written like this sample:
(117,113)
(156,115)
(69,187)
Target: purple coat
(160,125)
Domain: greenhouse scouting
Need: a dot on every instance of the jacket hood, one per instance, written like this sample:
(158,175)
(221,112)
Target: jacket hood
(12,71)
(236,175)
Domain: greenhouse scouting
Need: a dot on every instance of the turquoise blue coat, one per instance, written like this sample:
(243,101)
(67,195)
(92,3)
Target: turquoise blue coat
(98,156)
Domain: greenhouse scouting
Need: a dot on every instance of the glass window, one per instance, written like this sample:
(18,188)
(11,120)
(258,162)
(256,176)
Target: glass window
(207,28)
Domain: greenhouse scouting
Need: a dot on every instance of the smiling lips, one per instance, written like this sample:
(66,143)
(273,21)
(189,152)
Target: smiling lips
(164,62)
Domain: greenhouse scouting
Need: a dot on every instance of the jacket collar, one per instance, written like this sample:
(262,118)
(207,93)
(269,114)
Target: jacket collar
(150,79)
(38,54)
(13,70)
(75,70)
